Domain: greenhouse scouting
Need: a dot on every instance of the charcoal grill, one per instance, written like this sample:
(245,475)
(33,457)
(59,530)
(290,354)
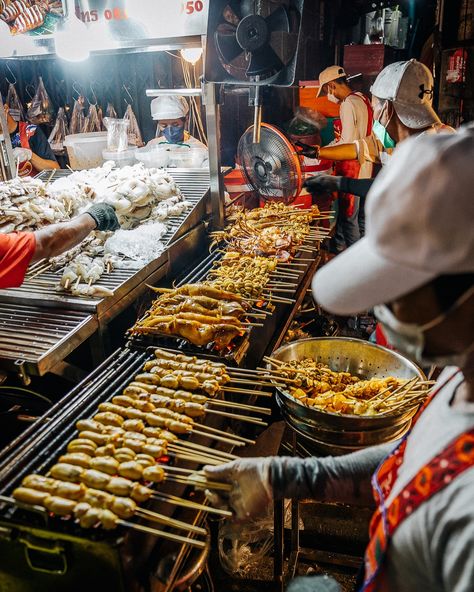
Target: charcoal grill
(253,345)
(40,553)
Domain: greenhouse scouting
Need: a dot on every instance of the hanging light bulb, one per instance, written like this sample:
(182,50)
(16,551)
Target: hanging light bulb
(6,40)
(191,54)
(71,40)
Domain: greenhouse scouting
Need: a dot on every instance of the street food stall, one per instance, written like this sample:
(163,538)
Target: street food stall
(105,490)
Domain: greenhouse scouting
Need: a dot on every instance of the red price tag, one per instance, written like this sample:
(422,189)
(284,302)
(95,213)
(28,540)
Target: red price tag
(192,6)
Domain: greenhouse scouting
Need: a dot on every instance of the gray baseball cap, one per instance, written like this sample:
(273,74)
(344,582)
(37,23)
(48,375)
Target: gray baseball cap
(409,86)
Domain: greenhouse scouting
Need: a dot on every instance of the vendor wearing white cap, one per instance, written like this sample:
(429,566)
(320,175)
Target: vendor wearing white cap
(171,113)
(402,97)
(356,123)
(415,266)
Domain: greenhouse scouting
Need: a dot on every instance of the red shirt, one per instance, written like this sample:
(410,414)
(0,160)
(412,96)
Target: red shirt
(16,252)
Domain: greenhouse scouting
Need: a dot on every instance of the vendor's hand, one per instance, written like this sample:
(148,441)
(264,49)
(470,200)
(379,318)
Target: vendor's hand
(251,495)
(104,216)
(308,151)
(322,184)
(22,154)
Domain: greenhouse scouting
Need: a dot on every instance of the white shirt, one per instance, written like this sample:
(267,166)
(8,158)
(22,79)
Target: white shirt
(354,116)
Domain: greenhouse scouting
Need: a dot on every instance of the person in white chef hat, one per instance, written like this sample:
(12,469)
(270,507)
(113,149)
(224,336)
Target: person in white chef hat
(171,114)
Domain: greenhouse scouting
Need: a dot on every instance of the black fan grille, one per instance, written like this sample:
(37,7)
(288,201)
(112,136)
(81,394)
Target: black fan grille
(270,165)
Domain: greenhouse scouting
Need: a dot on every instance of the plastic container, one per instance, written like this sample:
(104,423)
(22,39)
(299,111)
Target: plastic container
(187,157)
(121,159)
(154,156)
(85,150)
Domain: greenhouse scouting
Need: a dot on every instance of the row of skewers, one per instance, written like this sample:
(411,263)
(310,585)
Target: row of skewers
(242,287)
(117,460)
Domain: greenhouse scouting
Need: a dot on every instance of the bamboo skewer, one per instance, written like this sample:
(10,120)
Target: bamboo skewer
(195,458)
(198,447)
(165,535)
(184,503)
(240,439)
(247,392)
(171,522)
(242,406)
(245,418)
(216,436)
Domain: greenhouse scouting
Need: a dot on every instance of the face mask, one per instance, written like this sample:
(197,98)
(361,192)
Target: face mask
(332,98)
(174,134)
(382,134)
(409,338)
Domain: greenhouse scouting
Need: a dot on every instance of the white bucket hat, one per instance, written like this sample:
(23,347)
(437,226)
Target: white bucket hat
(420,216)
(169,107)
(409,85)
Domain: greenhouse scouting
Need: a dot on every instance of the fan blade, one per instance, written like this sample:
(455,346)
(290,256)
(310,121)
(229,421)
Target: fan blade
(279,20)
(226,43)
(263,61)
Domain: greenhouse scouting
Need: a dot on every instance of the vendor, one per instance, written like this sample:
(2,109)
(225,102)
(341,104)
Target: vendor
(19,249)
(402,97)
(415,266)
(171,112)
(31,148)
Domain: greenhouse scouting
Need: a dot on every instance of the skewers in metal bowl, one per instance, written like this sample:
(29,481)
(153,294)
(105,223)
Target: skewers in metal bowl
(385,413)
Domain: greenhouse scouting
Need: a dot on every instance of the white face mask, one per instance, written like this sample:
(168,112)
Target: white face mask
(409,338)
(332,98)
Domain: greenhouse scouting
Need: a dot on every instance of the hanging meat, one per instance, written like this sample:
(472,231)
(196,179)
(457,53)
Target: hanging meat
(77,117)
(41,109)
(60,131)
(14,104)
(134,134)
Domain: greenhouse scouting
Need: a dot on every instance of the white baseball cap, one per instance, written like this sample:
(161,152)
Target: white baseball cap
(409,85)
(328,75)
(420,220)
(169,107)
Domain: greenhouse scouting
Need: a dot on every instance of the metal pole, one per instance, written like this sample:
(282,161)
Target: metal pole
(7,162)
(214,145)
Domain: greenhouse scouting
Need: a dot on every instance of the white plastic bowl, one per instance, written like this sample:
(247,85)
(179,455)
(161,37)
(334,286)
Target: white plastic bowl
(154,156)
(121,159)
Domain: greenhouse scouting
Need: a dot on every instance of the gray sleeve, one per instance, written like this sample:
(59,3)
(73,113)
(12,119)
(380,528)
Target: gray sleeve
(344,479)
(358,187)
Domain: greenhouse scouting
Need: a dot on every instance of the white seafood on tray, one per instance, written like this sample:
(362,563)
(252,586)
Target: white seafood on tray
(143,198)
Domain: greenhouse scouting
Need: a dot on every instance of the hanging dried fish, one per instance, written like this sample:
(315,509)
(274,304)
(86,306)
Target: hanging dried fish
(60,131)
(92,122)
(134,134)
(78,118)
(14,104)
(41,109)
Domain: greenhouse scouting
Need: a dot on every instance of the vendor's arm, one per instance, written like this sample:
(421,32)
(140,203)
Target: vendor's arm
(339,152)
(257,482)
(327,184)
(57,238)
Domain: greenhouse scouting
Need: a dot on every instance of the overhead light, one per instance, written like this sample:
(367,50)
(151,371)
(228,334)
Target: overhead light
(192,54)
(6,40)
(71,40)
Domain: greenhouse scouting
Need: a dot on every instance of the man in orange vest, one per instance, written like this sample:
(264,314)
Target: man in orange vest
(415,267)
(30,147)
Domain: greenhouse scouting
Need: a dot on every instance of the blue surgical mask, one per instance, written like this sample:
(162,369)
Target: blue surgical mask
(174,134)
(382,134)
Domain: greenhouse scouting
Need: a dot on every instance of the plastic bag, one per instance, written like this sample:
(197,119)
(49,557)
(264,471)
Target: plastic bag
(14,104)
(92,122)
(243,547)
(77,117)
(59,132)
(142,244)
(41,109)
(134,133)
(117,134)
(110,111)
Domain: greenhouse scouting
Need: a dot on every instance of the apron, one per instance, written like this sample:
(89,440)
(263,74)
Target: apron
(457,457)
(25,132)
(351,168)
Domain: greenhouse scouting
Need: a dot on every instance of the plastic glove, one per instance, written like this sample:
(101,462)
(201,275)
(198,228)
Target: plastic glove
(22,154)
(321,184)
(251,495)
(104,216)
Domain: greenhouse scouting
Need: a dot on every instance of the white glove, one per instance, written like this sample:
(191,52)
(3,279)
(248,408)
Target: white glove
(251,495)
(22,154)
